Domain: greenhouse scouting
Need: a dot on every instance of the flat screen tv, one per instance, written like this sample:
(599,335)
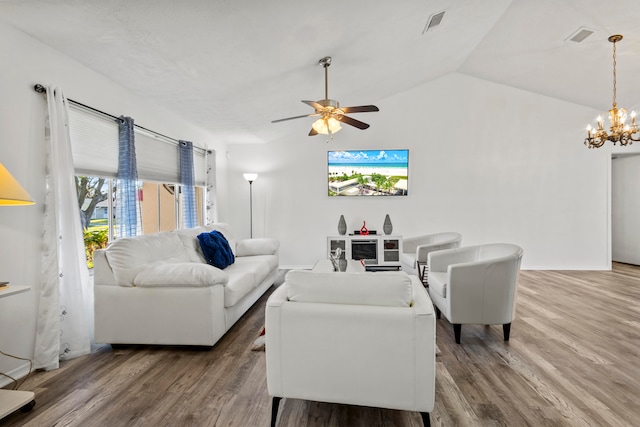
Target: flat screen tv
(368,172)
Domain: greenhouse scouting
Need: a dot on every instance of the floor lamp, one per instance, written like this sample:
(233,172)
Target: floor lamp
(250,177)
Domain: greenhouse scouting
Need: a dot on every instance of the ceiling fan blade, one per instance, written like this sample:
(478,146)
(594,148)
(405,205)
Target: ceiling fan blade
(291,118)
(352,122)
(314,104)
(313,132)
(360,109)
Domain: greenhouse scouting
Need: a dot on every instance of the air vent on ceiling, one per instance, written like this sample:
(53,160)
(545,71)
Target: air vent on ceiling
(434,20)
(579,35)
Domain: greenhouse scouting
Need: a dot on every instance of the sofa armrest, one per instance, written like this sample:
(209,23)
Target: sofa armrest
(102,272)
(440,260)
(278,297)
(410,244)
(259,246)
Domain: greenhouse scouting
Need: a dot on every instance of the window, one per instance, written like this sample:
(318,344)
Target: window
(94,140)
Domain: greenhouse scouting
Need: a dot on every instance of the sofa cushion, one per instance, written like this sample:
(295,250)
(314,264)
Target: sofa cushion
(391,288)
(438,283)
(130,255)
(258,266)
(216,249)
(240,284)
(188,274)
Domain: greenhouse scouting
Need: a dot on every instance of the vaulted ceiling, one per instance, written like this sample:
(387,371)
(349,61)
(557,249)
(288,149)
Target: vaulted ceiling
(232,66)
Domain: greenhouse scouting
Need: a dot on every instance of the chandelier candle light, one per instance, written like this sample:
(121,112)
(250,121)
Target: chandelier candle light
(619,131)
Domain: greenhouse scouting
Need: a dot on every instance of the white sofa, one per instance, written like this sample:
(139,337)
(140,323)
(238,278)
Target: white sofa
(355,338)
(158,289)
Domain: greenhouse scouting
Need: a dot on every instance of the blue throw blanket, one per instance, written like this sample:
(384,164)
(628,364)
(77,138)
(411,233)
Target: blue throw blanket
(216,249)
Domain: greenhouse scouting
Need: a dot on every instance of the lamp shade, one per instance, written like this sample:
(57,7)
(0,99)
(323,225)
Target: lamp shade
(323,125)
(250,176)
(11,192)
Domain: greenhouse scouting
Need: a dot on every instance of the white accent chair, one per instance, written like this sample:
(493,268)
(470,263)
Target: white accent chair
(415,251)
(353,338)
(475,285)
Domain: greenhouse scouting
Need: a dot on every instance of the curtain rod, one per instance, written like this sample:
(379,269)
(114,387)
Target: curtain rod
(41,89)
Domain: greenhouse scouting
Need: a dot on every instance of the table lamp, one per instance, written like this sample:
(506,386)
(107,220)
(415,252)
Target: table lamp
(11,194)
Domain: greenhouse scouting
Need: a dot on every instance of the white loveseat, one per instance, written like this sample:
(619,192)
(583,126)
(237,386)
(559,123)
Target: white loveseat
(355,338)
(158,289)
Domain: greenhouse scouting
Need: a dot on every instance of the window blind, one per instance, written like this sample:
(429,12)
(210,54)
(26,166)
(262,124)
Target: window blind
(94,143)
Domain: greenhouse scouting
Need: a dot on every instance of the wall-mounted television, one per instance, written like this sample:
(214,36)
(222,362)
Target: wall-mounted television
(368,172)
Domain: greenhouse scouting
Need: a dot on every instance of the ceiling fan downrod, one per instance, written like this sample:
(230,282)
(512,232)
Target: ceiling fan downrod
(325,62)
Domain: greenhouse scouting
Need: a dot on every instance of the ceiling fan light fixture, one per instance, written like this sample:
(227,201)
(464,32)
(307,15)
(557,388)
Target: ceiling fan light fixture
(330,112)
(324,125)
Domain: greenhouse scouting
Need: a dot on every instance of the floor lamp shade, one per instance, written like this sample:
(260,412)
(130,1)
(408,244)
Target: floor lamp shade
(11,192)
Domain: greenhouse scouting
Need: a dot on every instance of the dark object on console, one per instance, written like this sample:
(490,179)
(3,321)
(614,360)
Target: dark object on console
(358,233)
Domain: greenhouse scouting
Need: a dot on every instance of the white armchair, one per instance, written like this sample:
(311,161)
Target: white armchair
(475,285)
(353,338)
(415,251)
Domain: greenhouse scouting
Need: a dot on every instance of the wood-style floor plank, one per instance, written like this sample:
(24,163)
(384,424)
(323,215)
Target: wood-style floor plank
(573,360)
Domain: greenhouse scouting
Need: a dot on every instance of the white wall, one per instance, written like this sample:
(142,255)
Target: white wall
(625,209)
(489,161)
(22,111)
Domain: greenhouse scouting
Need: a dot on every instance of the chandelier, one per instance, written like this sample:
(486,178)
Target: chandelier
(619,131)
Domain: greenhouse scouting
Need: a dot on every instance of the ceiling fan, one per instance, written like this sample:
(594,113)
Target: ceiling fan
(329,110)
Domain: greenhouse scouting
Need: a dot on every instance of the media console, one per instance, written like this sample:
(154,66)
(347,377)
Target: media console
(378,251)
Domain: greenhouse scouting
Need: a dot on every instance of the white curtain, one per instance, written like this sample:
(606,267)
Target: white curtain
(211,213)
(64,322)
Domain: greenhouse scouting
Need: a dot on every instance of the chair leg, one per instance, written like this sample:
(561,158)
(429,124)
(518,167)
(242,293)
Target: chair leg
(423,273)
(275,404)
(425,419)
(457,330)
(506,329)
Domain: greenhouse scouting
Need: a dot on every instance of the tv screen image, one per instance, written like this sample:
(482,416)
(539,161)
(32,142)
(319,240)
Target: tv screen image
(368,172)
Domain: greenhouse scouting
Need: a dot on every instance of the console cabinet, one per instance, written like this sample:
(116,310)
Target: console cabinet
(379,252)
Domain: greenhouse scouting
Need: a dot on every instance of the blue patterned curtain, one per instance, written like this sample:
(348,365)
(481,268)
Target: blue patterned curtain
(187,179)
(128,219)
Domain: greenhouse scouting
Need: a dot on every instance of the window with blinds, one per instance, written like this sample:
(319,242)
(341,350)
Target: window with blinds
(94,144)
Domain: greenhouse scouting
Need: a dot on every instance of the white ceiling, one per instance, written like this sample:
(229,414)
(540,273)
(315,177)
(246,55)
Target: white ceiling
(232,66)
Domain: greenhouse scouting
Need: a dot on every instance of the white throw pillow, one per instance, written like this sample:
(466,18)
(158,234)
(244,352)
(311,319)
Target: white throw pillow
(130,255)
(188,237)
(184,274)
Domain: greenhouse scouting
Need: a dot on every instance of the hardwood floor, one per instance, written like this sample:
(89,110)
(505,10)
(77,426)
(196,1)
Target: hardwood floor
(573,360)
